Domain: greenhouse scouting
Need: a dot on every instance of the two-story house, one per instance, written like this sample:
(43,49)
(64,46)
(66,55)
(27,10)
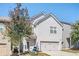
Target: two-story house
(51,34)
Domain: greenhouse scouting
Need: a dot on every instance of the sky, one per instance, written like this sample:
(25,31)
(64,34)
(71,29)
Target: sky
(68,12)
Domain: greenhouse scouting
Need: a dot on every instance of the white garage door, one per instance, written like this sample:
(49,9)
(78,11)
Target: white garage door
(49,46)
(3,50)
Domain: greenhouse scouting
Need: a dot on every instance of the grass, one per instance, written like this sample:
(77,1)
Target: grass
(37,54)
(43,54)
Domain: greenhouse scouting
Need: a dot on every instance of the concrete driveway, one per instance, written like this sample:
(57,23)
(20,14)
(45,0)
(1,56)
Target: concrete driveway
(62,53)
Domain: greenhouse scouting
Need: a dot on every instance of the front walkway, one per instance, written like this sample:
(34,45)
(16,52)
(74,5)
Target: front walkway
(62,53)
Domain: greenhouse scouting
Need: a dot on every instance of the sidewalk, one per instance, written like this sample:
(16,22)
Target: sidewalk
(62,53)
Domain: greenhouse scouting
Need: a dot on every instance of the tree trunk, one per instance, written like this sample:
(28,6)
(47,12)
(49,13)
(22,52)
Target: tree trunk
(19,47)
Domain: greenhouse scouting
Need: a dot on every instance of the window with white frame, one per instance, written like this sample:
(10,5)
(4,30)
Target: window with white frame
(53,29)
(2,27)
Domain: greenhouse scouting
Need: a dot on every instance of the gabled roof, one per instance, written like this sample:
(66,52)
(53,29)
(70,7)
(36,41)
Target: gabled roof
(36,16)
(5,19)
(46,17)
(65,23)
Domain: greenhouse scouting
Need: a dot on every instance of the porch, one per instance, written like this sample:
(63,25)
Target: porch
(29,43)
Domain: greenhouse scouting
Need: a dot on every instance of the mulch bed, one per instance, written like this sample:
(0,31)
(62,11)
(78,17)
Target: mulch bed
(72,50)
(14,54)
(33,54)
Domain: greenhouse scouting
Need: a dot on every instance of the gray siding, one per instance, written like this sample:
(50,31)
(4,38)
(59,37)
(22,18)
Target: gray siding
(66,35)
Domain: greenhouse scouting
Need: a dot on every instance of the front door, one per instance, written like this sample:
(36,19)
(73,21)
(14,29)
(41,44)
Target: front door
(68,40)
(28,46)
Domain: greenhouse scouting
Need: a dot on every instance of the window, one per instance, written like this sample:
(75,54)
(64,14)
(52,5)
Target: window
(1,29)
(53,30)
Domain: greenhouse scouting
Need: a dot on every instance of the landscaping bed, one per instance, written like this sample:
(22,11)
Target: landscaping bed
(33,54)
(73,50)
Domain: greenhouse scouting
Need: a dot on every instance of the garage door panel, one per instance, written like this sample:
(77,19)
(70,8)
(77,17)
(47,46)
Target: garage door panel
(3,50)
(49,46)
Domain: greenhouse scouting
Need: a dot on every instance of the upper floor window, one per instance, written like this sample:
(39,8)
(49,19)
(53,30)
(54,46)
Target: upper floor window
(53,29)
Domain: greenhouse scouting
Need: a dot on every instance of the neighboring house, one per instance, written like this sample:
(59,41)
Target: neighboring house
(66,35)
(5,46)
(51,34)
